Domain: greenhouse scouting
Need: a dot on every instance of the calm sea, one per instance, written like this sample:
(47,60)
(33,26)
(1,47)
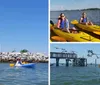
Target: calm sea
(24,76)
(93,15)
(63,75)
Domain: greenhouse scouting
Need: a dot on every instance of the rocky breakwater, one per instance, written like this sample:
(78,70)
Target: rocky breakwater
(29,57)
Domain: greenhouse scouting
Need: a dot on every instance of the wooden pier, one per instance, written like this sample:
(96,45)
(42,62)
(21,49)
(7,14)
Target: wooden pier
(68,57)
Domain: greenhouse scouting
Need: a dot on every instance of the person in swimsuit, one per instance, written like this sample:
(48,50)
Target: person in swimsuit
(63,23)
(84,20)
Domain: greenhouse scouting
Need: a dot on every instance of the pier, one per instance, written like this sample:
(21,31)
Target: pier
(68,56)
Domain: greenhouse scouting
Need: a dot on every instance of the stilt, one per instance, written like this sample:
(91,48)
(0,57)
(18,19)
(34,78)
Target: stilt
(57,61)
(67,62)
(74,62)
(86,61)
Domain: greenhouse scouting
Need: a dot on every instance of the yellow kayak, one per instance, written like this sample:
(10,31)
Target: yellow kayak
(90,28)
(77,37)
(58,39)
(50,40)
(95,29)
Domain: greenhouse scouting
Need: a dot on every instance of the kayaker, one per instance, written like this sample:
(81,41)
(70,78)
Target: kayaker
(84,20)
(63,23)
(19,62)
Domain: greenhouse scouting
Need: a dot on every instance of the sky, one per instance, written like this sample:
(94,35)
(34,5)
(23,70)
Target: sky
(24,25)
(73,4)
(80,49)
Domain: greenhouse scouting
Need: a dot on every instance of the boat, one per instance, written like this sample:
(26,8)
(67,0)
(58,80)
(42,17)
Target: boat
(75,37)
(58,39)
(89,28)
(50,40)
(29,65)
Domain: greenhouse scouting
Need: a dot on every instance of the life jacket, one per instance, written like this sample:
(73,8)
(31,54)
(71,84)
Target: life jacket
(18,63)
(63,23)
(84,20)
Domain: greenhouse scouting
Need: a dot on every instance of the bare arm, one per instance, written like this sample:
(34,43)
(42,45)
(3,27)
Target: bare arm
(58,23)
(81,20)
(67,24)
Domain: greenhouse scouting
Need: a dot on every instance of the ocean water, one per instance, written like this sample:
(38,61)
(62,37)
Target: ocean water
(93,15)
(63,75)
(24,76)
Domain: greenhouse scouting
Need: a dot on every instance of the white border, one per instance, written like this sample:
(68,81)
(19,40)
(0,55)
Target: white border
(74,42)
(49,42)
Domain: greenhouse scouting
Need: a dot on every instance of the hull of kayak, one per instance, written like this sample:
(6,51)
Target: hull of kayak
(95,28)
(30,65)
(77,37)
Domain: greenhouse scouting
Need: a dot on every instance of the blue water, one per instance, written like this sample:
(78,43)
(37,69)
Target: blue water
(63,75)
(24,76)
(93,15)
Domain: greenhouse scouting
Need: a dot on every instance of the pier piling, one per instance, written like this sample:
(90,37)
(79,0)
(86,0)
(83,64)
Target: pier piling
(57,61)
(67,62)
(67,57)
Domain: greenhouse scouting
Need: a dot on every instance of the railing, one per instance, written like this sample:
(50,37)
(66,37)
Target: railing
(62,55)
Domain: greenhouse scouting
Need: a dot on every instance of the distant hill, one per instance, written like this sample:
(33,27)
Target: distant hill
(79,9)
(92,9)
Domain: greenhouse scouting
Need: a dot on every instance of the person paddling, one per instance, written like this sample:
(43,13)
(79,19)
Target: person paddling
(84,20)
(63,23)
(19,62)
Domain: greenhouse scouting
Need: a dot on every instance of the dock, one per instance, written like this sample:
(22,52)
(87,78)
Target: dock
(68,56)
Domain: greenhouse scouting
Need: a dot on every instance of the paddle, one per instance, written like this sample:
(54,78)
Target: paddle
(74,22)
(11,65)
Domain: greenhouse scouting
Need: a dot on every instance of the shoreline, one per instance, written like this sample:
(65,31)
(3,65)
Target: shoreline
(76,9)
(24,61)
(15,62)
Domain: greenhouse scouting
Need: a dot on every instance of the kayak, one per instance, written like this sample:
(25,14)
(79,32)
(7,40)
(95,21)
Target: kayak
(58,39)
(50,40)
(90,28)
(29,65)
(95,28)
(75,37)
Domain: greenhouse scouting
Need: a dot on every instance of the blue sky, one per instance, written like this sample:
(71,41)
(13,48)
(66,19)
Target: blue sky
(73,4)
(24,24)
(80,49)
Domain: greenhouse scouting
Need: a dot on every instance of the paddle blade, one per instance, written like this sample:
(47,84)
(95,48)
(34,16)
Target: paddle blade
(74,22)
(11,65)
